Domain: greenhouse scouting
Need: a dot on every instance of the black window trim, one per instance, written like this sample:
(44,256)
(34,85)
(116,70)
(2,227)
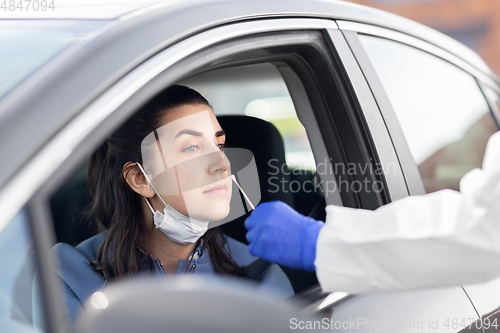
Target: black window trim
(494,108)
(372,127)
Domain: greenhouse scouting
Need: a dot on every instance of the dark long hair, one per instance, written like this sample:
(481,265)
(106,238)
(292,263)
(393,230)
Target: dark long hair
(115,206)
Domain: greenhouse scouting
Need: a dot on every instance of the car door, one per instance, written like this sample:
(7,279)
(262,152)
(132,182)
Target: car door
(434,107)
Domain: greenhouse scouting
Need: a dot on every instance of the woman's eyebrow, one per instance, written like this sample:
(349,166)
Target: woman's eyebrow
(220,133)
(188,131)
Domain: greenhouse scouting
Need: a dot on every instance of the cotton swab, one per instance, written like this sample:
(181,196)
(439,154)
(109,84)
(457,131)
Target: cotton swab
(242,192)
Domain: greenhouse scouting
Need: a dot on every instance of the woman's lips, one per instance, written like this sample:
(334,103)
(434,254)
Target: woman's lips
(220,189)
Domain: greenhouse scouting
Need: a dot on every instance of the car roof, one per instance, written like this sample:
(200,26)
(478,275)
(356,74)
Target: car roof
(334,9)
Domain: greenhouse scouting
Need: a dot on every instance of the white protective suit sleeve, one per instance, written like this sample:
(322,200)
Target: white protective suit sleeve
(440,239)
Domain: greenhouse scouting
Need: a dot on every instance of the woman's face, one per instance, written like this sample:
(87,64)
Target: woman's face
(190,169)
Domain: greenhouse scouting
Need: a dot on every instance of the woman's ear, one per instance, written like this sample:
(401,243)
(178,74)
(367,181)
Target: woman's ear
(136,180)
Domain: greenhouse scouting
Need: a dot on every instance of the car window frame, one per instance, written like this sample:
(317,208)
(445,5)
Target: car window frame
(374,129)
(487,92)
(51,296)
(69,147)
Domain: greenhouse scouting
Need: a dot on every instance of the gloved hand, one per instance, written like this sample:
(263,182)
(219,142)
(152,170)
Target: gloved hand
(279,234)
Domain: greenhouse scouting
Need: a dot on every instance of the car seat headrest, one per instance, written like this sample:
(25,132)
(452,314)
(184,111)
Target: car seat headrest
(265,142)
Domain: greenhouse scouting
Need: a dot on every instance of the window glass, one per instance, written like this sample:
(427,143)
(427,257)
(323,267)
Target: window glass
(19,39)
(441,110)
(16,277)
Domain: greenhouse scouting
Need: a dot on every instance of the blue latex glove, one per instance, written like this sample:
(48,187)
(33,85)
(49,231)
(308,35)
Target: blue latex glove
(279,234)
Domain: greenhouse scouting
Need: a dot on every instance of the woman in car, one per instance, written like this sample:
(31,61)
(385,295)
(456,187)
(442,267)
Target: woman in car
(156,183)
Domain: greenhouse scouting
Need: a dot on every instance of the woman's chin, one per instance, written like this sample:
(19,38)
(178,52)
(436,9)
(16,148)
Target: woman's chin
(217,216)
(211,213)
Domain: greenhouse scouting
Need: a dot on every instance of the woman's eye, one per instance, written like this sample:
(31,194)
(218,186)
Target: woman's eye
(191,148)
(221,146)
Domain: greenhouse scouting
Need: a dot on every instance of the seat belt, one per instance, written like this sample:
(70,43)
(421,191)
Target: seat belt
(257,269)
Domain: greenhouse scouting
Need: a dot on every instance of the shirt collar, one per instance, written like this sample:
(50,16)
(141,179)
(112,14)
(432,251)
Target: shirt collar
(197,254)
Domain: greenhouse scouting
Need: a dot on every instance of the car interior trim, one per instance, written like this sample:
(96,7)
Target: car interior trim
(308,119)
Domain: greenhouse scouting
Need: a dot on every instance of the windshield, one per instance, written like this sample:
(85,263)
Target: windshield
(25,46)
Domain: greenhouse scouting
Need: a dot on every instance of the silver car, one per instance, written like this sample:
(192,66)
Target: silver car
(368,108)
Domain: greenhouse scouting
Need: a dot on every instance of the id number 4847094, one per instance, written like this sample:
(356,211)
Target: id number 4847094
(455,323)
(27,5)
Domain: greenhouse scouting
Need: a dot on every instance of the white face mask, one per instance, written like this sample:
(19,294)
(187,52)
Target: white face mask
(178,227)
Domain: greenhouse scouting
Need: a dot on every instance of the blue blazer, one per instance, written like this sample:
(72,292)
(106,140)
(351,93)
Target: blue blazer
(80,280)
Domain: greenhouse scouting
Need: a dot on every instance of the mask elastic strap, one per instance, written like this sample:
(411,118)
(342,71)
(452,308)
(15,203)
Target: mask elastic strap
(150,207)
(150,183)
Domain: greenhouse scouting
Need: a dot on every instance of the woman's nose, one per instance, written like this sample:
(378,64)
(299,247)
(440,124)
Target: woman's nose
(218,162)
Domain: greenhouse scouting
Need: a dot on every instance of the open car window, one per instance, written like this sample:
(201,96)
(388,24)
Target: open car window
(265,143)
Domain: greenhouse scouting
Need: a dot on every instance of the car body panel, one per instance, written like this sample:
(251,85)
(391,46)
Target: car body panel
(484,296)
(413,311)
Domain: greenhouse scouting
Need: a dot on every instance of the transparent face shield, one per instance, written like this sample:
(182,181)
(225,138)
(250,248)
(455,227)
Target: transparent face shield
(190,169)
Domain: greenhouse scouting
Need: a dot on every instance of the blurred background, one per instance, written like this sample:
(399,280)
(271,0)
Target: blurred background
(474,23)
